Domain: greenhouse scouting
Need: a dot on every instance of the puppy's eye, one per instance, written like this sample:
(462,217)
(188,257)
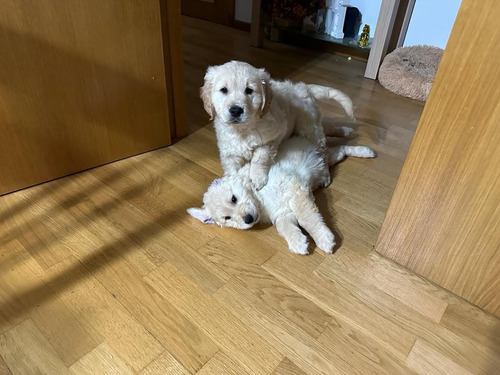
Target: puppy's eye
(248,91)
(223,90)
(227,217)
(234,199)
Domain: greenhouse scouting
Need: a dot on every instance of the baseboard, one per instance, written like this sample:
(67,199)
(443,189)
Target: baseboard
(243,26)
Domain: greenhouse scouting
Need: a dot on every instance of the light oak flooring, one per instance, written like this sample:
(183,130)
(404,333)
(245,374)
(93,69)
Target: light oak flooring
(103,272)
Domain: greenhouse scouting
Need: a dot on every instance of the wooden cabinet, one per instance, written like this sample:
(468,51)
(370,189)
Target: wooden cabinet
(84,83)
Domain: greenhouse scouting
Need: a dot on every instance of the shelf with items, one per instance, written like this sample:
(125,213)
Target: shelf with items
(322,42)
(317,24)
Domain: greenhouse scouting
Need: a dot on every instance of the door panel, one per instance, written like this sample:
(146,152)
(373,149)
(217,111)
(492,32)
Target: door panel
(82,83)
(218,11)
(444,219)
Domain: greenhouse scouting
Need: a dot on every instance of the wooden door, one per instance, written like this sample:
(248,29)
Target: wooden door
(444,219)
(83,83)
(218,11)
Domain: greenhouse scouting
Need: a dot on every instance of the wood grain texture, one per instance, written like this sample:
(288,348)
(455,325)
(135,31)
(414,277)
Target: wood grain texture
(82,85)
(287,367)
(222,364)
(220,324)
(481,328)
(4,369)
(399,283)
(101,360)
(165,363)
(423,359)
(102,316)
(360,312)
(105,272)
(444,219)
(283,334)
(20,273)
(27,351)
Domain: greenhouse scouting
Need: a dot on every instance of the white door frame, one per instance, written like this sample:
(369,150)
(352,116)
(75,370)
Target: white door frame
(384,32)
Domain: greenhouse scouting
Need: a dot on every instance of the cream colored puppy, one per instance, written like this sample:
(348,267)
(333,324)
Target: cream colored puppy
(254,114)
(286,201)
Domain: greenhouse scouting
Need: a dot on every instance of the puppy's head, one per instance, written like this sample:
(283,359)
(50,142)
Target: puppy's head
(229,202)
(236,92)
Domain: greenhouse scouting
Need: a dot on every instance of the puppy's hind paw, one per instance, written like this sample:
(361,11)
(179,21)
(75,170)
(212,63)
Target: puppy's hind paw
(326,181)
(346,131)
(369,153)
(362,152)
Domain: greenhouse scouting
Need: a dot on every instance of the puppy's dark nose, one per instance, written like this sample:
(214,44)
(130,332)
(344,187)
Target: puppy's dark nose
(248,219)
(236,111)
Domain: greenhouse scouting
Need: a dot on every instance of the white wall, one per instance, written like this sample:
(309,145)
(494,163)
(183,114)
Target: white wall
(431,22)
(243,10)
(369,12)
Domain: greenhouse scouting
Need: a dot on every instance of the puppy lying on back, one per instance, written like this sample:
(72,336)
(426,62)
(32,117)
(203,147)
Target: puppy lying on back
(286,201)
(254,114)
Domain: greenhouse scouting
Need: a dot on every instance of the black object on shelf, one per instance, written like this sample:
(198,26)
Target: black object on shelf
(352,22)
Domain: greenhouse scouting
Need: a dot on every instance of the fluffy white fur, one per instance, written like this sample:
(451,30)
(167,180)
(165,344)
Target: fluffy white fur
(285,201)
(268,111)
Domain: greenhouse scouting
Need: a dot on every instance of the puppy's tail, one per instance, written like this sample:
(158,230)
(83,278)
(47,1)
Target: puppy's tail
(323,92)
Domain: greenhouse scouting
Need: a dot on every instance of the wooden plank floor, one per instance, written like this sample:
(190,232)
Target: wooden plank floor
(103,272)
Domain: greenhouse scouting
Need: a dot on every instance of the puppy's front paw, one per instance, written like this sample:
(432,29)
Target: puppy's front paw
(259,177)
(299,246)
(326,242)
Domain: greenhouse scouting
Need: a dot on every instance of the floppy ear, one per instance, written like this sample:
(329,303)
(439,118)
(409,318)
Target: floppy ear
(216,182)
(206,92)
(267,94)
(201,214)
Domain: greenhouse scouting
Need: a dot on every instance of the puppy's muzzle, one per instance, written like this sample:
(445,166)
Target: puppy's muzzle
(235,111)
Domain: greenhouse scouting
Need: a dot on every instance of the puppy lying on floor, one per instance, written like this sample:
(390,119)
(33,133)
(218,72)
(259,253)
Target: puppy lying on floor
(286,201)
(254,114)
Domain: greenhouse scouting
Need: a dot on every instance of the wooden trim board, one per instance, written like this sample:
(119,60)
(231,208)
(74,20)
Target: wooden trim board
(170,11)
(444,218)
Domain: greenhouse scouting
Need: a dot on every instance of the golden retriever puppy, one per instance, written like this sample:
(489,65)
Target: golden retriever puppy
(286,200)
(254,114)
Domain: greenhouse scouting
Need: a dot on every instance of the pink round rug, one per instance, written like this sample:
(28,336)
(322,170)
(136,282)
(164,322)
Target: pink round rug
(410,71)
